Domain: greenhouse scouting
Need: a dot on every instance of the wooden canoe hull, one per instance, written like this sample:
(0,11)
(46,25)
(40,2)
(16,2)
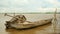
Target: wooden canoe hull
(28,25)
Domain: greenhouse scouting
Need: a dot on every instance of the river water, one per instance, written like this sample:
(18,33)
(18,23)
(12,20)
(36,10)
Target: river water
(45,29)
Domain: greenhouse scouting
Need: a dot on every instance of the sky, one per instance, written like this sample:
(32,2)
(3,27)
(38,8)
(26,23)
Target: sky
(21,6)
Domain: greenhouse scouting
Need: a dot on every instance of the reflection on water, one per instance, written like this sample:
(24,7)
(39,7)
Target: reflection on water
(45,29)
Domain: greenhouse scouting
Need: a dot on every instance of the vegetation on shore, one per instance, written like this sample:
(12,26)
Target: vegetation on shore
(52,12)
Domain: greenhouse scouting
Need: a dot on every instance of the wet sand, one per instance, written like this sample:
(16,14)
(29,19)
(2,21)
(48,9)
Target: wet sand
(45,29)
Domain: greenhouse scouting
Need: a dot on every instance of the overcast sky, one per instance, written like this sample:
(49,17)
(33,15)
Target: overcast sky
(19,6)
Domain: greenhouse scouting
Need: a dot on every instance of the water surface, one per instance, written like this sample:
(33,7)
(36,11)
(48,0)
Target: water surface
(46,29)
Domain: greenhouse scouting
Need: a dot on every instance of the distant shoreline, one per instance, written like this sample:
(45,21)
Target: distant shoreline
(34,13)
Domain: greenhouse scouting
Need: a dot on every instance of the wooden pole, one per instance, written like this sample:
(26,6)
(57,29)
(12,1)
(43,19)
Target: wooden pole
(55,22)
(9,15)
(14,13)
